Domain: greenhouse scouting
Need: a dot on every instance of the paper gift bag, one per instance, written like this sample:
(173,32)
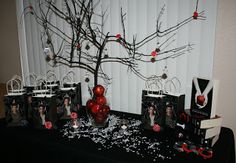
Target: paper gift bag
(14,103)
(152,107)
(174,99)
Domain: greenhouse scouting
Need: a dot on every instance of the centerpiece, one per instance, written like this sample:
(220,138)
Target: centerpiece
(85,45)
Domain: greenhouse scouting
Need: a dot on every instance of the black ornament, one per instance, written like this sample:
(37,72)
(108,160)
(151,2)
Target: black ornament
(87,47)
(48,41)
(158,50)
(164,76)
(48,58)
(106,56)
(87,80)
(153,60)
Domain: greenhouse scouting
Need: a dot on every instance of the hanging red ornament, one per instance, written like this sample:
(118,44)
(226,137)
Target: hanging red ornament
(154,53)
(195,15)
(98,90)
(118,36)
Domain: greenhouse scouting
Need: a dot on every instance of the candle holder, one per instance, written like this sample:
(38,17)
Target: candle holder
(124,124)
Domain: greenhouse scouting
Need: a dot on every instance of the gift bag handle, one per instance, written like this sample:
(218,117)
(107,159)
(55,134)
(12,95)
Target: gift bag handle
(33,77)
(11,84)
(50,74)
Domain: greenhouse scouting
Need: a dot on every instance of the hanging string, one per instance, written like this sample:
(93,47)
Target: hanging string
(196,5)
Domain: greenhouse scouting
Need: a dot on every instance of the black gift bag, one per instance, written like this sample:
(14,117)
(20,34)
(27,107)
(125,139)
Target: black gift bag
(44,112)
(14,103)
(152,110)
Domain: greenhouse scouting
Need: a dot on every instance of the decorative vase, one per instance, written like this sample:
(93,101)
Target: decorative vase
(97,107)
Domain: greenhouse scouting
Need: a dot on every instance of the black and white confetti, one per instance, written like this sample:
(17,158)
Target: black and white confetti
(129,138)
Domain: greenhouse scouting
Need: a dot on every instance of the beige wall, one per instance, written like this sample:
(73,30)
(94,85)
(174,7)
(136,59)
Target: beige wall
(9,47)
(225,62)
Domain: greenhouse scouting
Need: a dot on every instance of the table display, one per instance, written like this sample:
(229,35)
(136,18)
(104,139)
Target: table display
(123,140)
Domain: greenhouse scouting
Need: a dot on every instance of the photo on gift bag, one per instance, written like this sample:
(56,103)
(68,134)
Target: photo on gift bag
(40,115)
(170,115)
(153,117)
(65,107)
(14,112)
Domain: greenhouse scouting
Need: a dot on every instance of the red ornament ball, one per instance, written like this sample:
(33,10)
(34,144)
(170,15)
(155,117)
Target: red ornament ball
(154,53)
(106,109)
(101,100)
(90,103)
(98,90)
(95,108)
(118,36)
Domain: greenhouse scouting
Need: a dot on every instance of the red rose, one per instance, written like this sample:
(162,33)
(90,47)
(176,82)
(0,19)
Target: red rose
(118,36)
(48,125)
(156,128)
(73,115)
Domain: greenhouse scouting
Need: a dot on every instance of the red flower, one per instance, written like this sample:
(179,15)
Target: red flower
(73,115)
(154,53)
(195,15)
(48,125)
(118,36)
(156,128)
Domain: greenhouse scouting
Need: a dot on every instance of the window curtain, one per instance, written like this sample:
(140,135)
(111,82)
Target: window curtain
(124,92)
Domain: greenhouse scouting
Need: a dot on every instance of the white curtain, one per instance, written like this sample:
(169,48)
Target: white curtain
(124,93)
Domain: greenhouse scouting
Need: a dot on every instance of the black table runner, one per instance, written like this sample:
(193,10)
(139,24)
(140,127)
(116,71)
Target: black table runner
(111,144)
